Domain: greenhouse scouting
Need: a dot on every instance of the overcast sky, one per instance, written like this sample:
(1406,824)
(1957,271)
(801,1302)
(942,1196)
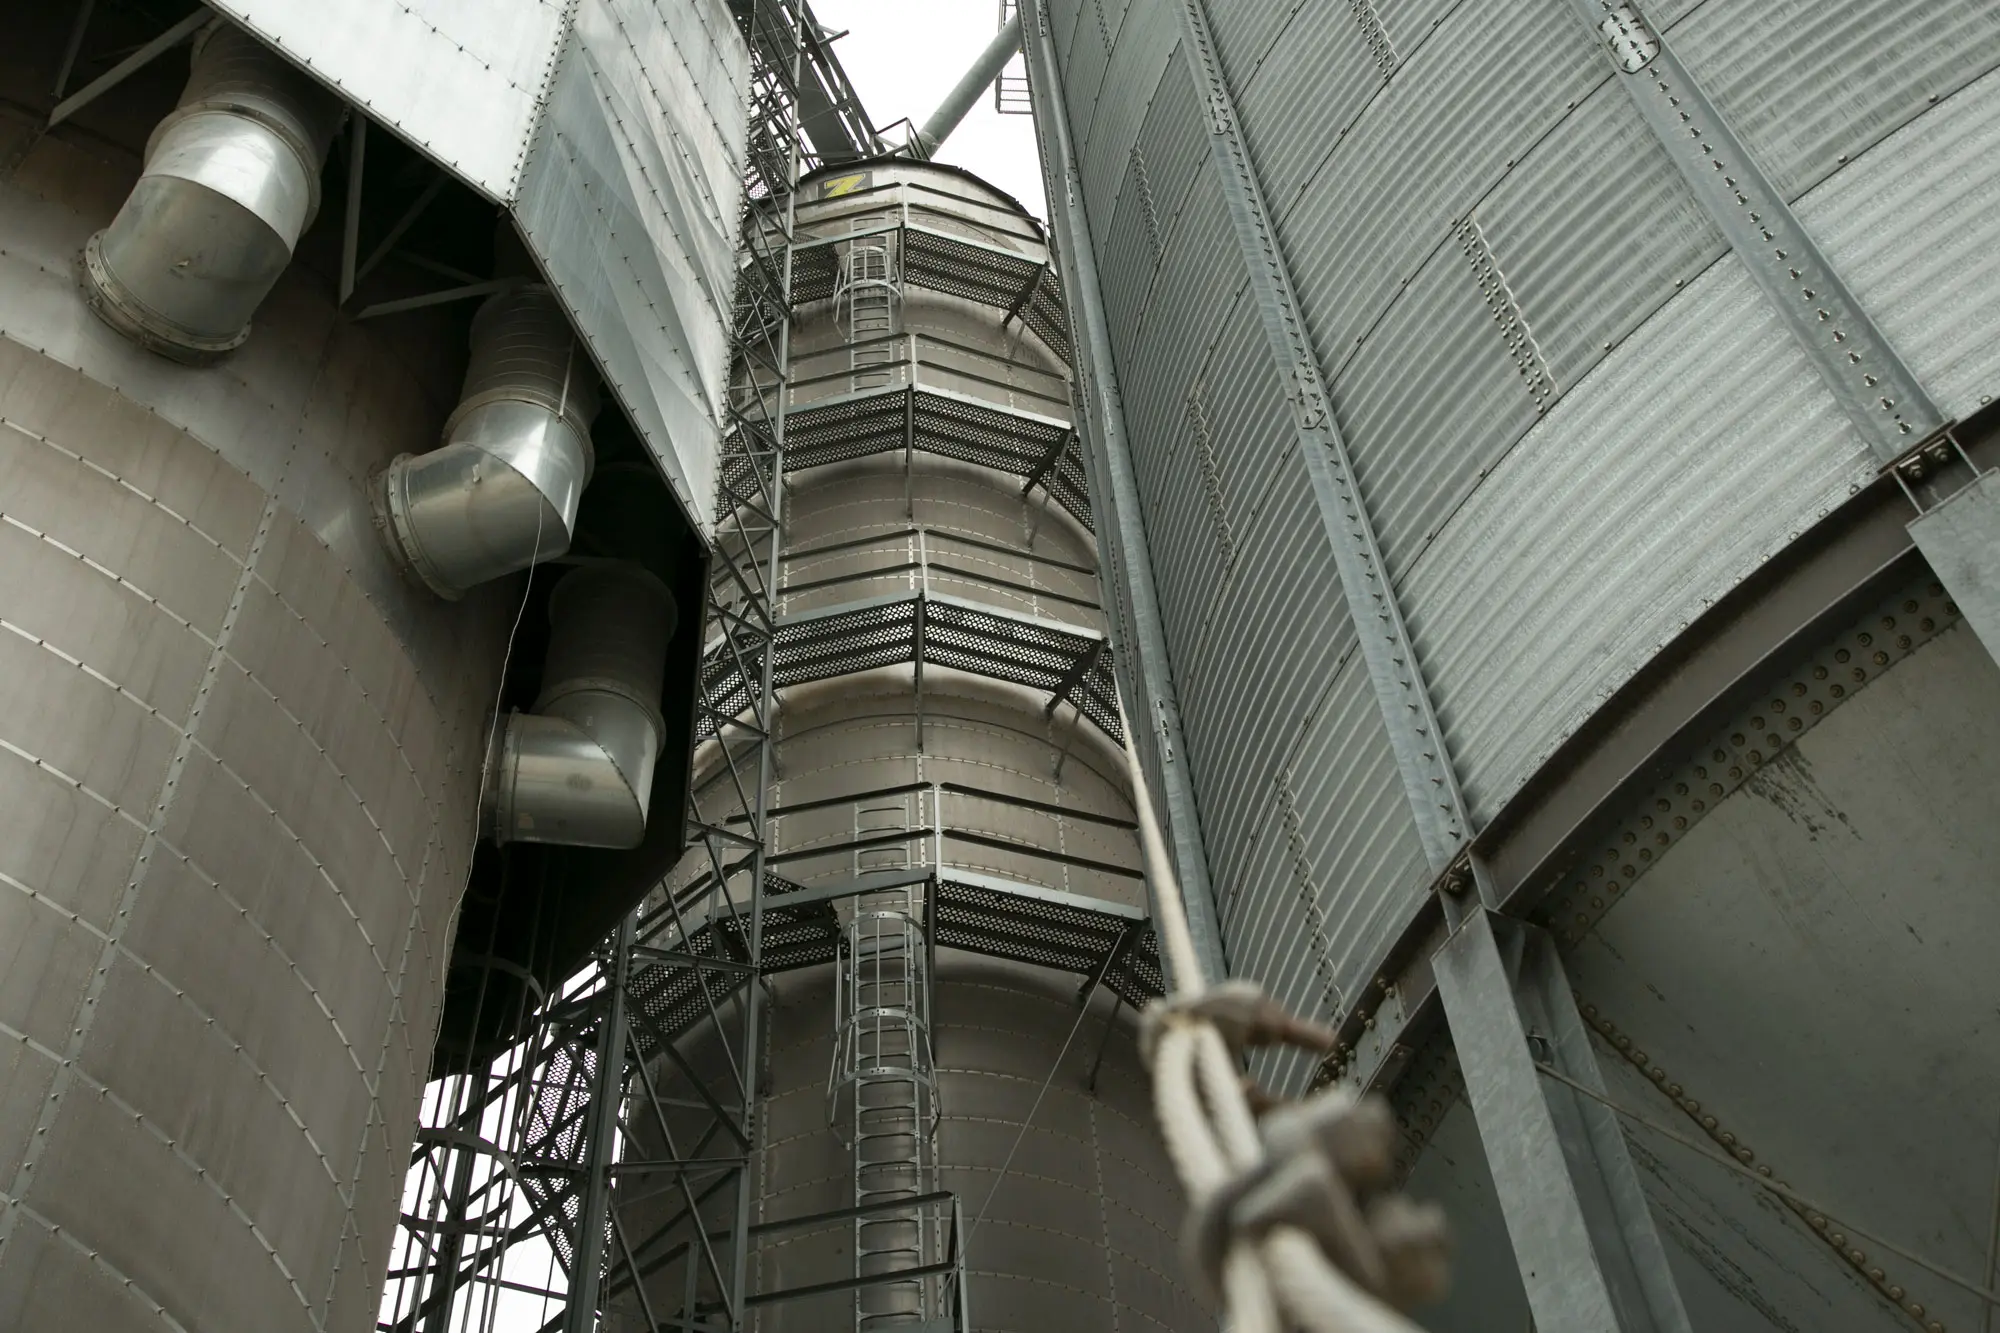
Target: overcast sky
(905,55)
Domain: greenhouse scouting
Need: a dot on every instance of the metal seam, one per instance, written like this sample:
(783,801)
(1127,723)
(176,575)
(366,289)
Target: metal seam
(111,476)
(1820,1226)
(1738,749)
(14,1205)
(1855,360)
(67,1072)
(104,936)
(1509,318)
(113,575)
(1403,698)
(163,803)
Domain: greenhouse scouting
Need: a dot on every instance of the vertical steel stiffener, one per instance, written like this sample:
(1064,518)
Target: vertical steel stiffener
(1605,1277)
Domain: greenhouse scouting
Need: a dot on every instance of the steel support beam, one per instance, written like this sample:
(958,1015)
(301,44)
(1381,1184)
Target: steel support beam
(1860,366)
(1582,1231)
(1561,1181)
(1142,665)
(601,1153)
(127,67)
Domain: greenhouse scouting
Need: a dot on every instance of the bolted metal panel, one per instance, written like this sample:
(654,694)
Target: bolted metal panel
(1818,936)
(1594,230)
(1080,1232)
(1336,871)
(1173,143)
(1571,564)
(1858,365)
(1441,387)
(464,84)
(1446,128)
(1303,97)
(1130,246)
(1808,87)
(1904,225)
(629,198)
(266,816)
(1244,36)
(1250,677)
(1131,81)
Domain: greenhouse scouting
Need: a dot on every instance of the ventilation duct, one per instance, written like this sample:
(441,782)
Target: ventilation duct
(231,180)
(578,770)
(501,493)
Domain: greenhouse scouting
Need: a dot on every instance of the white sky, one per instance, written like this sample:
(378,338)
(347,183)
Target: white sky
(904,56)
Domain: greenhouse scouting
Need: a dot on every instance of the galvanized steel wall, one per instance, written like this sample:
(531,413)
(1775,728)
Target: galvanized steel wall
(237,782)
(615,131)
(1574,419)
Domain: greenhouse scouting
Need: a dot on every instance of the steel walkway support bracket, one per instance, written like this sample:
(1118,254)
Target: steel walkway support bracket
(1127,569)
(1583,1235)
(1958,529)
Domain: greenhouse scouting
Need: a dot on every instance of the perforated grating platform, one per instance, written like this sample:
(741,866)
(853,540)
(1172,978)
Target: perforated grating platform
(1066,661)
(956,266)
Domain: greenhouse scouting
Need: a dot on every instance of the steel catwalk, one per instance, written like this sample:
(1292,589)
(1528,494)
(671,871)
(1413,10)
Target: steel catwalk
(946,771)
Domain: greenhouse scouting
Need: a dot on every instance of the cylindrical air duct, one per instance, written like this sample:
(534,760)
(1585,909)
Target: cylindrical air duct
(231,180)
(502,491)
(971,86)
(578,770)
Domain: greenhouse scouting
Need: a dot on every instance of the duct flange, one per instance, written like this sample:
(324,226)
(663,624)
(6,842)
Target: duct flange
(231,181)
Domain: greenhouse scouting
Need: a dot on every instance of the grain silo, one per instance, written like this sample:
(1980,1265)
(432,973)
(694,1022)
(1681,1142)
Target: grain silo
(1549,449)
(311,346)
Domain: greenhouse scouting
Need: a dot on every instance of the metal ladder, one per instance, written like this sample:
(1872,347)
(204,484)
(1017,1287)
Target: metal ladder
(882,1099)
(864,305)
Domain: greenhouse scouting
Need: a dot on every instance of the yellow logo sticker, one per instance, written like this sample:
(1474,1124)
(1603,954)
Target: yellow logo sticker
(840,185)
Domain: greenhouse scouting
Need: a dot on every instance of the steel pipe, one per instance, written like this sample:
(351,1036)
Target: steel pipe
(1005,44)
(231,181)
(578,770)
(502,492)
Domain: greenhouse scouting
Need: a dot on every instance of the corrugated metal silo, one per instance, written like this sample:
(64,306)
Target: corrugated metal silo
(1591,361)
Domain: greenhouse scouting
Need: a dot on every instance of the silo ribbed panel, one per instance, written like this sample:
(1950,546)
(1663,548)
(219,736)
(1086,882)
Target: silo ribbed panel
(1808,86)
(1694,453)
(1903,224)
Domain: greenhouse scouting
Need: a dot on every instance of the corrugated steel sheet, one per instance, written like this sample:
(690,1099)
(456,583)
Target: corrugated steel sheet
(1157,360)
(1435,394)
(1174,141)
(1807,84)
(1243,34)
(1126,255)
(1595,230)
(1335,871)
(1430,145)
(1254,670)
(1410,23)
(1693,453)
(1910,226)
(1137,62)
(1302,99)
(1083,70)
(1252,417)
(1064,19)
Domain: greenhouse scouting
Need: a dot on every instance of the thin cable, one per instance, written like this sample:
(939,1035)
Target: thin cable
(493,727)
(970,1231)
(1784,1192)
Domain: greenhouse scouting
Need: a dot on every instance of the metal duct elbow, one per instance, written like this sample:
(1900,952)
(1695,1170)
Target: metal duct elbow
(578,770)
(231,181)
(501,493)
